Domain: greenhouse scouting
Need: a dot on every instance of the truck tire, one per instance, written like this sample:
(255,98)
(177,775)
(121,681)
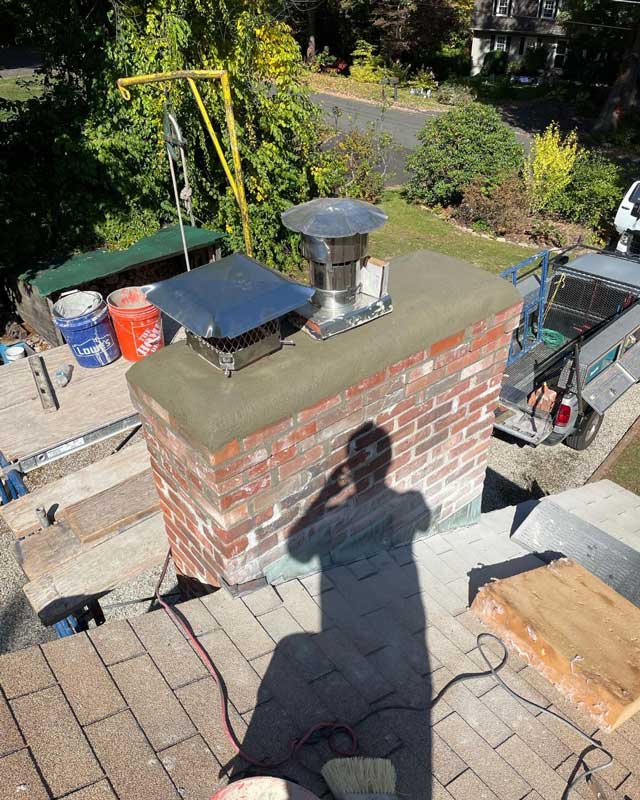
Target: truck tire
(587,431)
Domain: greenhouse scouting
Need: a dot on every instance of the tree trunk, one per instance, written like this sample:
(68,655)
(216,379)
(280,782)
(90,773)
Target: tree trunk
(311,27)
(623,96)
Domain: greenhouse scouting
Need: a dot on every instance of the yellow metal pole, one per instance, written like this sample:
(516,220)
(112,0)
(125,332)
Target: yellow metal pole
(214,138)
(237,165)
(191,75)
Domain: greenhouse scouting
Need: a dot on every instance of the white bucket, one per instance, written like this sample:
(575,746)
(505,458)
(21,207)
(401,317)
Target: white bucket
(15,353)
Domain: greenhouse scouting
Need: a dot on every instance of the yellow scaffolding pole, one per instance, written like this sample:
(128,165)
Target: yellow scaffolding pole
(191,75)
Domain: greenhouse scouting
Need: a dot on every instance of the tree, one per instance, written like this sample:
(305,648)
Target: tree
(79,166)
(412,28)
(600,28)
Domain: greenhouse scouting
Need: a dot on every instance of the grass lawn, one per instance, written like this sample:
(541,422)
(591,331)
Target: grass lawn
(19,88)
(626,470)
(413,228)
(339,84)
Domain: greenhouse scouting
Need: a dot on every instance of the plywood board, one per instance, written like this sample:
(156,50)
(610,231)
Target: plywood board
(114,507)
(575,630)
(93,573)
(550,529)
(93,398)
(47,550)
(20,514)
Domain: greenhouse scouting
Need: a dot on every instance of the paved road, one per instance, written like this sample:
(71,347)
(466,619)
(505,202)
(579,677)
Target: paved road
(402,125)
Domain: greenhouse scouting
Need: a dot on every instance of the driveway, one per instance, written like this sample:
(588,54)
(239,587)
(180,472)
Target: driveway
(402,125)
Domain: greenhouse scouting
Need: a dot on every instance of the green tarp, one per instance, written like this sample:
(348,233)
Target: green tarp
(88,266)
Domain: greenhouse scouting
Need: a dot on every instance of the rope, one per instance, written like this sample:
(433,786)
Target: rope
(332,729)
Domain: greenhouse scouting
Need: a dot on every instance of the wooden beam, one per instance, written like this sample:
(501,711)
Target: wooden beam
(114,508)
(20,514)
(573,629)
(97,571)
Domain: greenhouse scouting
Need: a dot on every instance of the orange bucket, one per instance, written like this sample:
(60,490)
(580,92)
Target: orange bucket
(137,323)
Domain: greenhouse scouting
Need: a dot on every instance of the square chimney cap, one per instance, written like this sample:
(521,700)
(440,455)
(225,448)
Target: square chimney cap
(333,217)
(227,298)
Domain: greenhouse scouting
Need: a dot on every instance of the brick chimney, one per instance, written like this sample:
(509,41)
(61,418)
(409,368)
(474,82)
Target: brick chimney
(327,452)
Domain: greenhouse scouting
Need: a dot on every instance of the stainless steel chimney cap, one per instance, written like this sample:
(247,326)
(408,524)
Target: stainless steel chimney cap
(333,217)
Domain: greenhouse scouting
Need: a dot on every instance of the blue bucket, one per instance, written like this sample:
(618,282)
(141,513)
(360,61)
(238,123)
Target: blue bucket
(83,319)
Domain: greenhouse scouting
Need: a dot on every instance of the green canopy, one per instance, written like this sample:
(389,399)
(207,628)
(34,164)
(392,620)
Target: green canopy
(85,267)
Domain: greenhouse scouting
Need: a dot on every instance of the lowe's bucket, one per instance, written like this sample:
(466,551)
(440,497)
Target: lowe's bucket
(83,319)
(137,323)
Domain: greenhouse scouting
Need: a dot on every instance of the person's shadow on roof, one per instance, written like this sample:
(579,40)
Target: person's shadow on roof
(353,635)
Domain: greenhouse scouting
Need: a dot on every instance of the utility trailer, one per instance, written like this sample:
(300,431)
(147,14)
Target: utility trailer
(576,349)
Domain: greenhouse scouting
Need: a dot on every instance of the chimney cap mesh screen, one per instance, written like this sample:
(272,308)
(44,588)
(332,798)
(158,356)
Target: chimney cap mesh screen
(227,298)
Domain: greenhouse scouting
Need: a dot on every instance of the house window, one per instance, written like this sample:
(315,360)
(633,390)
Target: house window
(501,8)
(560,54)
(501,43)
(548,10)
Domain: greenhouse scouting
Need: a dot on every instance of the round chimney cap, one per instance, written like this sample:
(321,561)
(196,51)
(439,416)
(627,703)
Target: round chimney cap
(333,217)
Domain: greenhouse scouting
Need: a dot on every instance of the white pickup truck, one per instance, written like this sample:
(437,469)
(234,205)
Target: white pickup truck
(627,222)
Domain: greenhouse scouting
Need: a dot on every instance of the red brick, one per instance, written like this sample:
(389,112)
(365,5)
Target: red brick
(367,383)
(257,438)
(451,355)
(244,492)
(240,464)
(426,368)
(226,452)
(319,408)
(446,344)
(295,436)
(512,311)
(478,366)
(407,363)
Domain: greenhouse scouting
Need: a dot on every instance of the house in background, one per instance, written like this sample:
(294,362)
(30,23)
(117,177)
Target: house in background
(515,26)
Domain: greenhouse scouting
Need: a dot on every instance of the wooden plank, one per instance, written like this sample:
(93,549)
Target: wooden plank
(114,508)
(98,570)
(20,514)
(94,397)
(47,550)
(575,630)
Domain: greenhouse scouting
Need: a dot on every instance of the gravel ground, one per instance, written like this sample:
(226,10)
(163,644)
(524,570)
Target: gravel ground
(518,473)
(515,474)
(19,626)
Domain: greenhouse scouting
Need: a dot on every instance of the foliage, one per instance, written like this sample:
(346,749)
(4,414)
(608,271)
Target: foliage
(452,61)
(356,166)
(594,192)
(454,94)
(322,60)
(495,63)
(549,168)
(424,79)
(368,66)
(501,208)
(535,61)
(468,143)
(92,167)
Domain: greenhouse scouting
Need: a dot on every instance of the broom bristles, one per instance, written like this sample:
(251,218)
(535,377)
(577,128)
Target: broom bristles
(360,776)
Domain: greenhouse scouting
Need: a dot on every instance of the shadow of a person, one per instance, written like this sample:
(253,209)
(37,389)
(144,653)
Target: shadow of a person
(351,636)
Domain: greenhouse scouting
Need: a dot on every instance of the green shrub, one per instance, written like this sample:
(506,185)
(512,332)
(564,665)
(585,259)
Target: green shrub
(549,168)
(368,66)
(594,192)
(495,63)
(466,144)
(535,61)
(499,209)
(454,94)
(322,60)
(355,166)
(424,79)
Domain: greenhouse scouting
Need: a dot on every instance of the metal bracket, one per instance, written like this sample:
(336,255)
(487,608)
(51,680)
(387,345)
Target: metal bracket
(43,383)
(42,457)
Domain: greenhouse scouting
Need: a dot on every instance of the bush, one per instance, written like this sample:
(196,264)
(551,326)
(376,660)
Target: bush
(495,63)
(424,79)
(466,144)
(535,61)
(500,209)
(368,66)
(322,60)
(356,166)
(454,94)
(549,168)
(594,192)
